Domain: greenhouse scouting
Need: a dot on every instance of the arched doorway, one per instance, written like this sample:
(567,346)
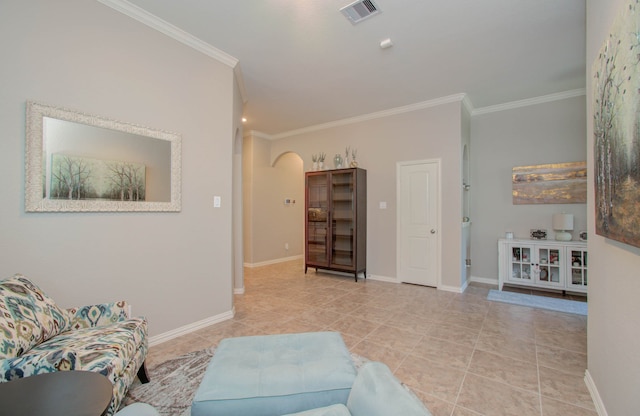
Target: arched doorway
(274,204)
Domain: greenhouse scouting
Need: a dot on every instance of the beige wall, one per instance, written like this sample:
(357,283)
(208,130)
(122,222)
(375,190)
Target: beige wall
(272,223)
(428,133)
(551,132)
(543,133)
(614,288)
(247,198)
(175,268)
(465,242)
(238,193)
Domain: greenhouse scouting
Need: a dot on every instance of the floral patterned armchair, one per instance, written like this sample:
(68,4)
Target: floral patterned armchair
(36,336)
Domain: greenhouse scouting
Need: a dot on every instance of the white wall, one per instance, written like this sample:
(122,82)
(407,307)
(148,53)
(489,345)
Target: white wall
(175,268)
(613,329)
(428,133)
(551,132)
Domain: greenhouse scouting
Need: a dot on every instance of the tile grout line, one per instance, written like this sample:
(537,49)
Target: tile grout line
(535,344)
(466,371)
(291,286)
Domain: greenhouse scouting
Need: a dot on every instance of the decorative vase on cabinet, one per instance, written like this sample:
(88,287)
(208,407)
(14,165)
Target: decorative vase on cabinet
(336,220)
(337,161)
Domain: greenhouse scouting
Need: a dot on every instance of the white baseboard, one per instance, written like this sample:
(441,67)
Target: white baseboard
(274,261)
(360,276)
(484,280)
(383,278)
(453,289)
(394,280)
(595,396)
(238,291)
(184,330)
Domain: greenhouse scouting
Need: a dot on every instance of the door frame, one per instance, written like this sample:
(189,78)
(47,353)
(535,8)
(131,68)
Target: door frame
(399,165)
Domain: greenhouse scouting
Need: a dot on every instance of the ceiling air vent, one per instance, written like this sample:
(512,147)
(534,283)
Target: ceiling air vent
(357,11)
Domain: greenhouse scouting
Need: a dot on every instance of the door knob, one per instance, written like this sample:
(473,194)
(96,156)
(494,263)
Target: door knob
(433,231)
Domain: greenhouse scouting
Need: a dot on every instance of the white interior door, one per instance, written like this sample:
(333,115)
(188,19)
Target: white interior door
(418,222)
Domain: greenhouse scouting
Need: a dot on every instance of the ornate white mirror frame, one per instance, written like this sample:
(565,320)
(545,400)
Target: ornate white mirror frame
(93,141)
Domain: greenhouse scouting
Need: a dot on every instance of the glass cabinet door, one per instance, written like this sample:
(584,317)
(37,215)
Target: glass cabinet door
(577,268)
(521,263)
(317,219)
(552,265)
(549,269)
(342,219)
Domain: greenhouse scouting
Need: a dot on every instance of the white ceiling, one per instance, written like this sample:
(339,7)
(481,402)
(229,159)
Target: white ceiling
(303,63)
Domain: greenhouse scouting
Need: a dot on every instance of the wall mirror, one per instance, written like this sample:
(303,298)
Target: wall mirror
(77,162)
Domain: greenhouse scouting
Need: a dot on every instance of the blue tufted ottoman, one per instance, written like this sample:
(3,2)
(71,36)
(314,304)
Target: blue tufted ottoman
(274,375)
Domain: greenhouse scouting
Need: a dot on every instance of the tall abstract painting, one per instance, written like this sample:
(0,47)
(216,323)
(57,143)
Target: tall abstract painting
(616,129)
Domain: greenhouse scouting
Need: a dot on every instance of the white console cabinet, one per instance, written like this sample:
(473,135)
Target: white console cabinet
(548,264)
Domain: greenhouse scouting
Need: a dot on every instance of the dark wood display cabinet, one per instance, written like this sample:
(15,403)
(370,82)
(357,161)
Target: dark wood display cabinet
(336,220)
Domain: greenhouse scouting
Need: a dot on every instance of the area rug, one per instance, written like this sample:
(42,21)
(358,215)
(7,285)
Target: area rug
(174,383)
(542,302)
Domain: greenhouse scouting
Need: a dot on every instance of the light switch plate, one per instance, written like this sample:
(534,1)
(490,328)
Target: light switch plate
(216,201)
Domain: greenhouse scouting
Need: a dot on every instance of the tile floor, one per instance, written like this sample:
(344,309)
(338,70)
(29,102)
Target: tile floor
(461,354)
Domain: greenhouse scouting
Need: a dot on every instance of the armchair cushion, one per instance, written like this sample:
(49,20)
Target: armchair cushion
(333,410)
(106,350)
(376,392)
(32,364)
(28,316)
(92,316)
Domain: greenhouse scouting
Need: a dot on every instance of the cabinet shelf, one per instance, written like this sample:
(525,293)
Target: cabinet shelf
(343,251)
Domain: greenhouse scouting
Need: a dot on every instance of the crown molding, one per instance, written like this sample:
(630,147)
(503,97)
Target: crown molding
(371,116)
(466,102)
(170,30)
(174,32)
(529,101)
(258,134)
(463,98)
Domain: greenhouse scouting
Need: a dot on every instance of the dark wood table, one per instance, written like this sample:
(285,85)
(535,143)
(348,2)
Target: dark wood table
(68,393)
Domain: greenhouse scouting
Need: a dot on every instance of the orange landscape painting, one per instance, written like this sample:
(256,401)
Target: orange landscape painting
(557,183)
